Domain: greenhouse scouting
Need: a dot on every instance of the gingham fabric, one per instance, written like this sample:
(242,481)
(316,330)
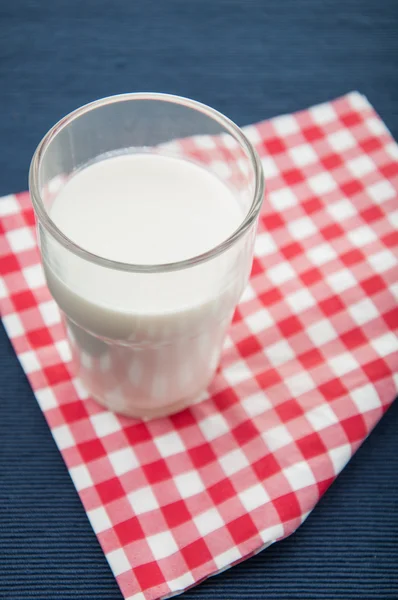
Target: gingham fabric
(309,366)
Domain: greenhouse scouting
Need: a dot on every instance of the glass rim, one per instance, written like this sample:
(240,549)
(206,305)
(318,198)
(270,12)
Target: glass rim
(45,219)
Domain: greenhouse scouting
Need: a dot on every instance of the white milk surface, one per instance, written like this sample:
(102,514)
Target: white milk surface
(146,209)
(146,344)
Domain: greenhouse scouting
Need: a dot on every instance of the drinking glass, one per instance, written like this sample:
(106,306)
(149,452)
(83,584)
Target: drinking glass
(151,362)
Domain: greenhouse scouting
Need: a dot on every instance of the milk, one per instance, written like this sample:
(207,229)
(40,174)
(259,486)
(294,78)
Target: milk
(146,344)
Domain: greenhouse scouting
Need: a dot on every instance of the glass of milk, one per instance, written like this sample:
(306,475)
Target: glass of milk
(146,207)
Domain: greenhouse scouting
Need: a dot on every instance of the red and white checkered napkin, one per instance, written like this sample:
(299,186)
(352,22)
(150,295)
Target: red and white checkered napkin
(309,367)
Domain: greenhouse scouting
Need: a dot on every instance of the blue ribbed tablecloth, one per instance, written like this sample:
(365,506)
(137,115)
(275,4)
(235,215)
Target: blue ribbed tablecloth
(251,59)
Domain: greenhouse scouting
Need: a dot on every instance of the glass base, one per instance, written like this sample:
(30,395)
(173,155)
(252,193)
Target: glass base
(147,415)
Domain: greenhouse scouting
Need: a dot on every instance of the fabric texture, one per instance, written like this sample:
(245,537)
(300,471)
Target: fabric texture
(309,366)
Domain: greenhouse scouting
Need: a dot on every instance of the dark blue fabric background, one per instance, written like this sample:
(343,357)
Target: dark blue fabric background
(251,59)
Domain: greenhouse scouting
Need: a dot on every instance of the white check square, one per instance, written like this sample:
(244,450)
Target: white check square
(105,423)
(237,373)
(233,461)
(142,500)
(381,191)
(248,293)
(300,301)
(254,497)
(269,167)
(341,281)
(213,426)
(228,342)
(383,261)
(34,276)
(358,101)
(123,460)
(118,561)
(252,133)
(340,457)
(20,239)
(162,544)
(46,399)
(302,228)
(321,417)
(64,350)
(29,362)
(285,125)
(229,141)
(63,437)
(299,475)
(376,126)
(242,166)
(81,391)
(362,236)
(385,344)
(343,364)
(225,559)
(322,183)
(221,169)
(303,155)
(363,311)
(323,113)
(394,290)
(319,255)
(264,244)
(189,484)
(282,199)
(361,166)
(393,218)
(137,596)
(300,384)
(321,332)
(366,398)
(99,519)
(8,205)
(276,438)
(179,583)
(392,150)
(281,273)
(279,353)
(204,141)
(13,325)
(208,521)
(256,404)
(50,312)
(259,321)
(341,140)
(270,534)
(341,210)
(81,477)
(169,444)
